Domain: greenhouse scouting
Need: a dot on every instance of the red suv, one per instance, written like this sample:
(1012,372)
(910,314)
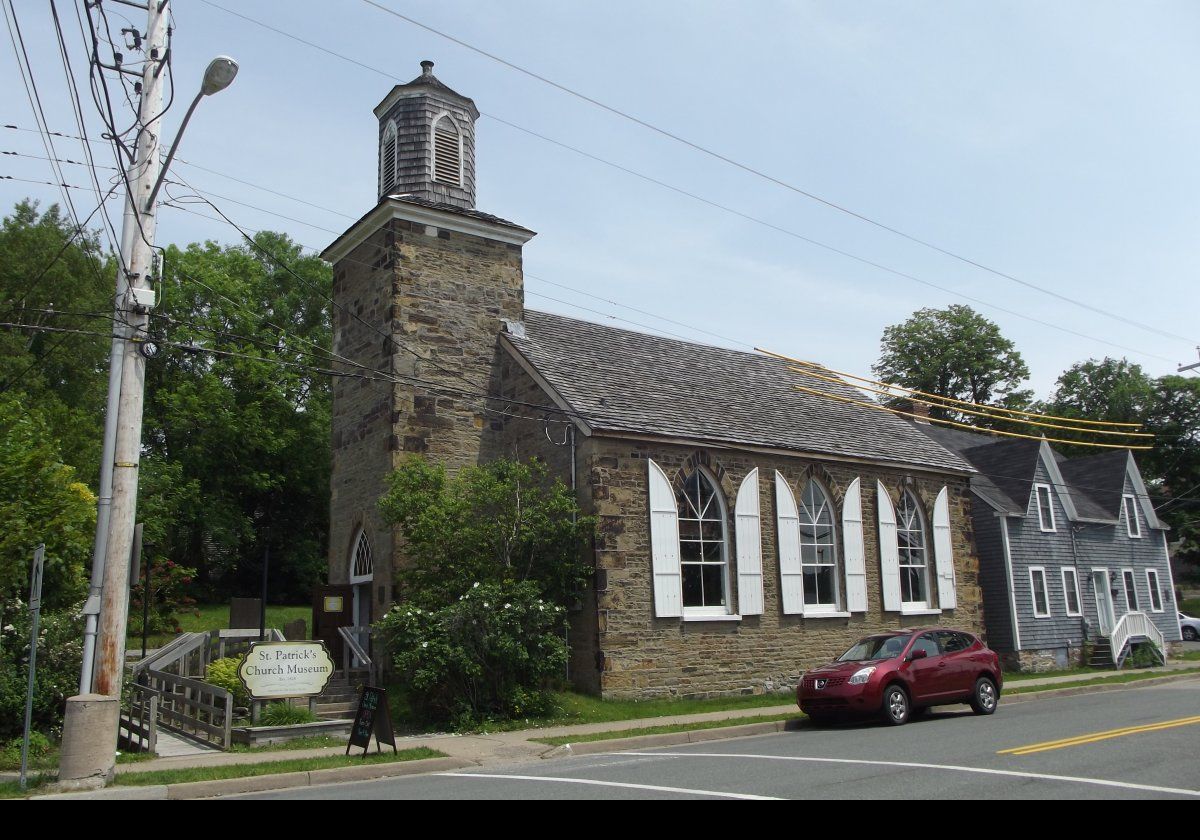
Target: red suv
(901,674)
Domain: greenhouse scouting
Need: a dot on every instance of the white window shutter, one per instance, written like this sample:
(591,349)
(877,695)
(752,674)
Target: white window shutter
(791,572)
(943,551)
(664,543)
(855,554)
(749,547)
(889,550)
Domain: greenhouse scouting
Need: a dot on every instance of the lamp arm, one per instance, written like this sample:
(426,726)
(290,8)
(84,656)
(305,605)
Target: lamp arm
(162,175)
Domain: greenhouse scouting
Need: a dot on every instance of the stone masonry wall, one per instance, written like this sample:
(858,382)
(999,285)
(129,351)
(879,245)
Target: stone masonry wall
(441,296)
(644,656)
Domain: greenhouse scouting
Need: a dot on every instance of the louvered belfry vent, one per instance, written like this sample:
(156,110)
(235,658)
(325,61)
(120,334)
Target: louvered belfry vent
(447,156)
(427,142)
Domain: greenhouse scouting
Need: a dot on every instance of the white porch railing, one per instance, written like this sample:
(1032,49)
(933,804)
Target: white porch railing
(1130,626)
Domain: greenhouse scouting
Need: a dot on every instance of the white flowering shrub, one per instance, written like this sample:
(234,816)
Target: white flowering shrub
(491,654)
(60,652)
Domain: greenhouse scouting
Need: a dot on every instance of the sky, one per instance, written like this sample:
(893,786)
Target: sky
(970,152)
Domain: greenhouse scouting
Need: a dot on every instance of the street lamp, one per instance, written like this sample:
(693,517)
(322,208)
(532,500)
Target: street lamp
(218,76)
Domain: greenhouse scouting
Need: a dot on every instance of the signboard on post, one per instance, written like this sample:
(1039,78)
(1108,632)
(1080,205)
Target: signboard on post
(35,612)
(275,670)
(373,717)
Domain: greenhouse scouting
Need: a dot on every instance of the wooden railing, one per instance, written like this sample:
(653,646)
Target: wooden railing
(192,708)
(1135,625)
(138,727)
(356,642)
(172,680)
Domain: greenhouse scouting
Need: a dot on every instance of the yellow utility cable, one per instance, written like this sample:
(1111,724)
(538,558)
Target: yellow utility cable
(962,425)
(948,399)
(978,413)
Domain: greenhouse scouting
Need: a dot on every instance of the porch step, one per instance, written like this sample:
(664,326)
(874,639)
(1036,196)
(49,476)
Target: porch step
(1101,655)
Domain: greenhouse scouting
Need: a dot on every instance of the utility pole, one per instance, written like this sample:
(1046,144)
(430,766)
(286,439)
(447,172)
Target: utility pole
(1193,366)
(90,734)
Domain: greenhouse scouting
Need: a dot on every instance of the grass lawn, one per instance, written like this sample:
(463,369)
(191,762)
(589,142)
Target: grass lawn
(1190,606)
(297,765)
(205,617)
(1133,676)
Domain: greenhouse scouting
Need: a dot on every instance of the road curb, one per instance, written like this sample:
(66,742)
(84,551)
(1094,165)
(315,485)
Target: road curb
(273,781)
(670,739)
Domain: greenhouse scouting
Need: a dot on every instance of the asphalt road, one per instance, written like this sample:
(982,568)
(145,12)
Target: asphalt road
(949,754)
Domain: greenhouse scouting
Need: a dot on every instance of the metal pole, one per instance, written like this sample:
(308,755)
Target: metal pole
(35,613)
(114,602)
(146,608)
(262,603)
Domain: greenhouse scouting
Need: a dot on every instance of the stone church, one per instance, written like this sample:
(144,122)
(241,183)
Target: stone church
(747,529)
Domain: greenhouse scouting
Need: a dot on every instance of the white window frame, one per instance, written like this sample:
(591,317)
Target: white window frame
(1033,572)
(835,607)
(1071,588)
(926,550)
(1155,592)
(1133,525)
(1037,500)
(717,613)
(361,536)
(1137,605)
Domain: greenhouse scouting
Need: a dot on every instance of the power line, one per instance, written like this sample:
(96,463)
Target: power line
(714,204)
(769,178)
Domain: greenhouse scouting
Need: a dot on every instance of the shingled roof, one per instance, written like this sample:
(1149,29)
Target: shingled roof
(622,381)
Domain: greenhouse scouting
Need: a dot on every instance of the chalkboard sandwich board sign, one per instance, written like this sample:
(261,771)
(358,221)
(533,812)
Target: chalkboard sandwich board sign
(373,717)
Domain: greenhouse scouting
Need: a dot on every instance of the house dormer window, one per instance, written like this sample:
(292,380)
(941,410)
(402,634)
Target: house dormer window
(447,151)
(1045,507)
(387,160)
(1133,525)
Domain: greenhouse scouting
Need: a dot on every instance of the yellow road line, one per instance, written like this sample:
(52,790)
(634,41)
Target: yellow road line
(1099,736)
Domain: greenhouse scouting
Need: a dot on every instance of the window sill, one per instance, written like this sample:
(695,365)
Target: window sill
(690,618)
(826,615)
(919,611)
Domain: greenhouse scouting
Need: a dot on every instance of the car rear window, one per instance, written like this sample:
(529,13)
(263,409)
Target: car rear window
(876,648)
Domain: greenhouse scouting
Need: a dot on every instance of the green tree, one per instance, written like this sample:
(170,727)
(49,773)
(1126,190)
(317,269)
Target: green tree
(51,278)
(41,501)
(956,353)
(496,556)
(240,437)
(503,521)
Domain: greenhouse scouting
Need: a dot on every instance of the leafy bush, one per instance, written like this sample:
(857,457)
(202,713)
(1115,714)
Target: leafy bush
(60,653)
(285,714)
(223,673)
(170,585)
(40,748)
(490,654)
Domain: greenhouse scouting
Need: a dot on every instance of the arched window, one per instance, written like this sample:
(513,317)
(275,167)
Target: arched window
(703,541)
(818,549)
(362,567)
(387,160)
(447,151)
(914,553)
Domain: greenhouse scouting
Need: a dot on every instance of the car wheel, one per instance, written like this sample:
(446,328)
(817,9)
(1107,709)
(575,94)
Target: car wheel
(985,697)
(896,707)
(1189,634)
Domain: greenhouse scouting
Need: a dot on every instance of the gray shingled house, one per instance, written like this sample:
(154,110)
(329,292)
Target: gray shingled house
(747,530)
(1072,556)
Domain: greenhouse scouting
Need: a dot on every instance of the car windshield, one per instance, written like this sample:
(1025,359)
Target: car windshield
(875,648)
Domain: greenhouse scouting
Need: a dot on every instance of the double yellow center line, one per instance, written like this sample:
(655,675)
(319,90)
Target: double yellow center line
(1093,737)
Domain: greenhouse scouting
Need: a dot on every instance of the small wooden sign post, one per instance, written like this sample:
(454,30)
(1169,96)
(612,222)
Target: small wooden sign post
(373,717)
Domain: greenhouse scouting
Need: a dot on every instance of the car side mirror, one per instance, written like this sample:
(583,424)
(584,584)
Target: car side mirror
(919,653)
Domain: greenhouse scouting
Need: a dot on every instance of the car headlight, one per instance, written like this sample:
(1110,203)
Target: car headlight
(862,675)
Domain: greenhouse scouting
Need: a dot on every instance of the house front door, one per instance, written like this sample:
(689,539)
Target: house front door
(1104,603)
